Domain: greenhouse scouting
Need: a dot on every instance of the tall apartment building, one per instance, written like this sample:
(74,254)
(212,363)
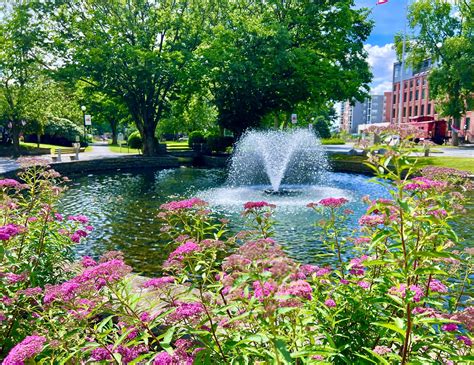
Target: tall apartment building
(368,112)
(416,99)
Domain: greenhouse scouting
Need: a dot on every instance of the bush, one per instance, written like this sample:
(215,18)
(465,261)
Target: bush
(135,140)
(394,292)
(196,137)
(322,128)
(216,143)
(333,140)
(61,131)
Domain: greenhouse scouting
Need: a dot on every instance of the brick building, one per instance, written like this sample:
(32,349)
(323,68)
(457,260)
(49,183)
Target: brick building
(416,100)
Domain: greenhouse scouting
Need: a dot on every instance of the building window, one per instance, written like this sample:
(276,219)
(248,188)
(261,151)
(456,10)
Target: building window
(467,124)
(423,94)
(418,82)
(404,112)
(394,98)
(394,87)
(424,82)
(405,85)
(393,113)
(409,111)
(404,96)
(411,95)
(422,109)
(416,110)
(417,94)
(429,109)
(411,83)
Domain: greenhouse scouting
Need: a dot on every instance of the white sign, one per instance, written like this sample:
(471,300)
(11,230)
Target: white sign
(87,119)
(120,137)
(293,118)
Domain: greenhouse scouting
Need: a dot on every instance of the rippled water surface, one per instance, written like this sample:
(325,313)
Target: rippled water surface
(123,206)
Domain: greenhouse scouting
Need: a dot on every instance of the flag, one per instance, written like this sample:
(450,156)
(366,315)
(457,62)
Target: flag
(380,2)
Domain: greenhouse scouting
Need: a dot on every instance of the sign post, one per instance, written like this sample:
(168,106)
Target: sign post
(294,118)
(120,140)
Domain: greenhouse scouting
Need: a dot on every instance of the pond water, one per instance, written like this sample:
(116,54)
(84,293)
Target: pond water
(123,207)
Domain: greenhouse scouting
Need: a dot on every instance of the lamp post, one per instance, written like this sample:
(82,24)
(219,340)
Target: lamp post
(83,108)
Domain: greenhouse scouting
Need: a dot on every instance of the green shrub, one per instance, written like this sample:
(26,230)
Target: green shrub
(217,143)
(61,131)
(196,137)
(135,140)
(333,140)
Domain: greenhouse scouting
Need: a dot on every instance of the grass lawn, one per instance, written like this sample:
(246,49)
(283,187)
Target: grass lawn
(32,146)
(116,149)
(461,163)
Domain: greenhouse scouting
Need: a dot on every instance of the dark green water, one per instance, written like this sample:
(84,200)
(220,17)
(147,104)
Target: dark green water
(123,206)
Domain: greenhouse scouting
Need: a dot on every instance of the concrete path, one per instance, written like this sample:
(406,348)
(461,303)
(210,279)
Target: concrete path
(7,164)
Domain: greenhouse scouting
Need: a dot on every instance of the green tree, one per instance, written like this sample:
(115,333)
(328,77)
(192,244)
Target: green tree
(21,37)
(445,34)
(269,56)
(140,52)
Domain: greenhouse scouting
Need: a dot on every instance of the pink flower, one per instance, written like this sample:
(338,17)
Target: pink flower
(330,303)
(31,292)
(186,310)
(263,291)
(26,349)
(449,327)
(364,284)
(323,271)
(78,218)
(423,183)
(356,267)
(361,240)
(89,228)
(58,217)
(183,204)
(438,213)
(344,281)
(10,230)
(437,286)
(183,250)
(317,357)
(333,202)
(163,358)
(100,354)
(382,350)
(371,220)
(158,283)
(258,205)
(467,341)
(11,183)
(298,288)
(401,291)
(14,278)
(88,261)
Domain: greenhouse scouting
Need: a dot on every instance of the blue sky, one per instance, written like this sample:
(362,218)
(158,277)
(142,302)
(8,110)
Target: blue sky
(389,19)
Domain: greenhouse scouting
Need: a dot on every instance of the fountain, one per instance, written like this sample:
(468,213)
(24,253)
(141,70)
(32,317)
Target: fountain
(293,157)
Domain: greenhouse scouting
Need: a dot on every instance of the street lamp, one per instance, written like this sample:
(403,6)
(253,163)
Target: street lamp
(83,108)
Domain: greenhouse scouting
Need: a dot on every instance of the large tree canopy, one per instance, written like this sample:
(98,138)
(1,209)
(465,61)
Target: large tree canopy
(139,51)
(445,34)
(269,56)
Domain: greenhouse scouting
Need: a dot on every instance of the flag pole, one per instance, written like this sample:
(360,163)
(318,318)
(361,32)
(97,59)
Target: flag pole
(402,67)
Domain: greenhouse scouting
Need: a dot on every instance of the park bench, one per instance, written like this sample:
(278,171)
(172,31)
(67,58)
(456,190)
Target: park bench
(58,152)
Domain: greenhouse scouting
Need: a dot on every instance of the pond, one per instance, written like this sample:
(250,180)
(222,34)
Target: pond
(123,207)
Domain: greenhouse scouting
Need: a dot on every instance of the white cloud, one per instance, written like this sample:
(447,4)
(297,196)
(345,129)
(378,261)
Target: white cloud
(381,59)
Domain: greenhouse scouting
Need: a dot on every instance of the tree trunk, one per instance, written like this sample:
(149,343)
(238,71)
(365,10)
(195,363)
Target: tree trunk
(113,127)
(16,139)
(150,147)
(454,134)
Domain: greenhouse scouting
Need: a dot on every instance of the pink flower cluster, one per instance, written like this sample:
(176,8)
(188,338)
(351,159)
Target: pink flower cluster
(333,202)
(258,205)
(91,279)
(10,230)
(263,291)
(423,183)
(184,310)
(183,204)
(356,267)
(78,218)
(401,291)
(382,350)
(437,286)
(371,220)
(128,354)
(182,354)
(159,283)
(26,349)
(10,183)
(184,250)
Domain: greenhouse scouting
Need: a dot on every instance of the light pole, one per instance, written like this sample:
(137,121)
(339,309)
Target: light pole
(83,108)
